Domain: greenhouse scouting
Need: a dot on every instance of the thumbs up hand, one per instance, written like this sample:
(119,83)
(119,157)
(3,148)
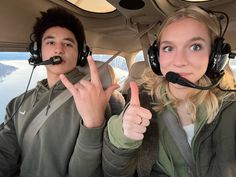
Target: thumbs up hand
(136,119)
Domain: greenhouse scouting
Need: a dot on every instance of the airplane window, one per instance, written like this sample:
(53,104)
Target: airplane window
(119,65)
(232,64)
(14,76)
(139,56)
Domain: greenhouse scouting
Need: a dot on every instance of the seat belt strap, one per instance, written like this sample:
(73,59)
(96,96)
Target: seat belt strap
(41,118)
(179,138)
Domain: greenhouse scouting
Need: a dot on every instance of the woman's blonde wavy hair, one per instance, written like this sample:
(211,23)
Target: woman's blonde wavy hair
(211,99)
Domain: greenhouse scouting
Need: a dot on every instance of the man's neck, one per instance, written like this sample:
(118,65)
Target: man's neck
(52,80)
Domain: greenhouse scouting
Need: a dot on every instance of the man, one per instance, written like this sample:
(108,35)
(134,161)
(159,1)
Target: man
(68,142)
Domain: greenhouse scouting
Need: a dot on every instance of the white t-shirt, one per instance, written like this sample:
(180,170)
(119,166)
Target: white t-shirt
(189,129)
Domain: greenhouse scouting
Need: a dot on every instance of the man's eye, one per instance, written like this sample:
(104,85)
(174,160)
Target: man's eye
(69,45)
(196,47)
(167,49)
(50,42)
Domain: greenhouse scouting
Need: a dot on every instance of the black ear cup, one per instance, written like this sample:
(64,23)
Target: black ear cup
(82,60)
(35,57)
(35,53)
(218,58)
(153,56)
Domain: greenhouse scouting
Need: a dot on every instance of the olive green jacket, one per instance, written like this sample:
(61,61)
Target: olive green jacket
(213,149)
(63,147)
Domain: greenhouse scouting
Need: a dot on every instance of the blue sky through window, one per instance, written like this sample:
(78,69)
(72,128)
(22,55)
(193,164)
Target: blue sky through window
(14,55)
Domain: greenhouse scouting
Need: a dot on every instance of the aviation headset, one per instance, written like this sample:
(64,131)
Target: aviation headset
(217,59)
(36,58)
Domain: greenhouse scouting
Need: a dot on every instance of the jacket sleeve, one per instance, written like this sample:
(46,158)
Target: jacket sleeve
(86,159)
(118,162)
(9,147)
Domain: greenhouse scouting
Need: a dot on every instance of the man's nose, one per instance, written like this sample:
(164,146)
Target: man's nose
(59,48)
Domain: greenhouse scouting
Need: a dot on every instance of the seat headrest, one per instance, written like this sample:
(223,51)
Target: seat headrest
(106,73)
(135,73)
(137,70)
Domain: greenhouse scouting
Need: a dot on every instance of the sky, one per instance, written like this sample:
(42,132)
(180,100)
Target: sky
(14,55)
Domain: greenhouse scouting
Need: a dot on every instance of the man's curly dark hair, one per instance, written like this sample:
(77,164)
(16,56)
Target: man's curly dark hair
(59,17)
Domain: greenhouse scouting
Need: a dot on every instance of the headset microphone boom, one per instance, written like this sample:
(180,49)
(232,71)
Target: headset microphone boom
(55,60)
(177,79)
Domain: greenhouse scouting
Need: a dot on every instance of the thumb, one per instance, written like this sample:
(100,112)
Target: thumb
(110,90)
(134,94)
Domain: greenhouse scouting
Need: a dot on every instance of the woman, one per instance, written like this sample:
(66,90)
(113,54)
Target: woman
(171,129)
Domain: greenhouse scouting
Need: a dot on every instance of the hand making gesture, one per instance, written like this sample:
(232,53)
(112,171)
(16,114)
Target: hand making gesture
(90,98)
(136,118)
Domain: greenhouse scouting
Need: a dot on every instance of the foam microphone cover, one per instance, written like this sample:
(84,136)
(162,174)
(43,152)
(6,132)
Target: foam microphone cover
(172,77)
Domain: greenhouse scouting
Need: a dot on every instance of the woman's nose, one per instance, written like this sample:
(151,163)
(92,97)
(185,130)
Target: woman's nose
(180,58)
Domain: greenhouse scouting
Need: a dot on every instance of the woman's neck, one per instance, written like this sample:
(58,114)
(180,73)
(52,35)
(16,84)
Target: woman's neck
(184,115)
(181,92)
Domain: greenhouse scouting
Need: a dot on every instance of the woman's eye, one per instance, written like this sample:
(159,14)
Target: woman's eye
(196,47)
(167,49)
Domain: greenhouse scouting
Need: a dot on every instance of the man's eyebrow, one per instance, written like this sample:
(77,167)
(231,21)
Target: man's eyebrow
(69,39)
(48,37)
(65,39)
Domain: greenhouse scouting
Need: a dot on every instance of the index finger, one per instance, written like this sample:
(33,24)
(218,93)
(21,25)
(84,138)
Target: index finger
(93,72)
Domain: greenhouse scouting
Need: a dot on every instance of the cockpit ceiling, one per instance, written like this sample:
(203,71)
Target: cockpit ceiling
(118,30)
